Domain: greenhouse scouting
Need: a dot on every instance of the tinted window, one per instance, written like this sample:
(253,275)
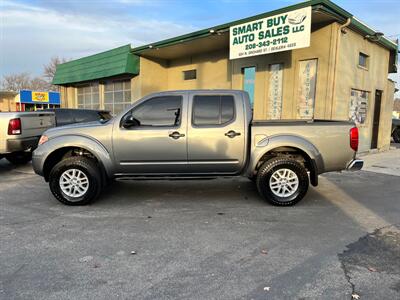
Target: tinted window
(206,110)
(104,115)
(159,111)
(213,110)
(63,117)
(82,116)
(227,109)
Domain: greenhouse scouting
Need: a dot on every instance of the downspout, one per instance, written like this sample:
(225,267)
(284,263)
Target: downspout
(340,30)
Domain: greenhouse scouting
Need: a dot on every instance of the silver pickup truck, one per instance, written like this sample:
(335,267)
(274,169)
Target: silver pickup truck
(20,133)
(194,134)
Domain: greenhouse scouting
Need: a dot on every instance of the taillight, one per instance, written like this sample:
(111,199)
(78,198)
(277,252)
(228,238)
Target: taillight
(14,126)
(354,138)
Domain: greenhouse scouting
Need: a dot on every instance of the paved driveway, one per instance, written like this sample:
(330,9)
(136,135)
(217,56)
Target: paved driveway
(211,239)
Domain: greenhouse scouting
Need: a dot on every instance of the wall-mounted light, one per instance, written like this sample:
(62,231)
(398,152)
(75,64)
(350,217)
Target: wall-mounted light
(374,37)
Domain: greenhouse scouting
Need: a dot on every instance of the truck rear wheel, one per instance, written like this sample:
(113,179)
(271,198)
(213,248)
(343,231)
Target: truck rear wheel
(19,158)
(396,135)
(75,181)
(282,181)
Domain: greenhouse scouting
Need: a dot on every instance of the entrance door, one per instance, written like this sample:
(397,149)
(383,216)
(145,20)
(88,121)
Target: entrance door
(156,142)
(375,124)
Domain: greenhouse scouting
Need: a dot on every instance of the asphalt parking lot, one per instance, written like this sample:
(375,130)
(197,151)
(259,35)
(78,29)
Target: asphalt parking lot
(209,239)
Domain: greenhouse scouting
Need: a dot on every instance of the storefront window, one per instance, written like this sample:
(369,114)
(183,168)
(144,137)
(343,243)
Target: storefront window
(307,81)
(88,96)
(275,91)
(117,96)
(358,106)
(249,78)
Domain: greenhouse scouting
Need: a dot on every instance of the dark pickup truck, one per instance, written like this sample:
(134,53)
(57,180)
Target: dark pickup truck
(66,116)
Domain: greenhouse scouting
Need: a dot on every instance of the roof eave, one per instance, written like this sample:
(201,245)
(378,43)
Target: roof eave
(325,5)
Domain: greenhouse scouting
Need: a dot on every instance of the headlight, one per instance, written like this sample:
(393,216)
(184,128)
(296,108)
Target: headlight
(43,139)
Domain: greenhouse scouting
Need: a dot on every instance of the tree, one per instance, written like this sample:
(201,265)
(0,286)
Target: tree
(50,68)
(24,81)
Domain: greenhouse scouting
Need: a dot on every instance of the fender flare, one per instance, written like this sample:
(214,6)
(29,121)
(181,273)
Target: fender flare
(79,141)
(270,143)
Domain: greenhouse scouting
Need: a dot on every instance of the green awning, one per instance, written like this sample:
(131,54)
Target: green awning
(114,62)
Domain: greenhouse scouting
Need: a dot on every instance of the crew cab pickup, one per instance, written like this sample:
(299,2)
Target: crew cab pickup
(194,134)
(20,133)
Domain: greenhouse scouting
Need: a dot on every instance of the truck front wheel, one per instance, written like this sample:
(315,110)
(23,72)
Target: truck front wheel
(75,181)
(282,181)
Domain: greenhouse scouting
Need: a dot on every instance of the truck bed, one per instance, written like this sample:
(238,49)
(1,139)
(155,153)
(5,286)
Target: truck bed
(326,136)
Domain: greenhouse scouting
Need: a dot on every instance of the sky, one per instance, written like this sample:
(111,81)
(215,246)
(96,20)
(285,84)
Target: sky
(33,31)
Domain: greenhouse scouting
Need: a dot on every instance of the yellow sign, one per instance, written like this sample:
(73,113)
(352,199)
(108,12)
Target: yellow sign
(40,96)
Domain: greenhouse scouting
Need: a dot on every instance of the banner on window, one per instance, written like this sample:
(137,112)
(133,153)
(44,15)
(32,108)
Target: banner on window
(307,80)
(358,106)
(287,31)
(275,91)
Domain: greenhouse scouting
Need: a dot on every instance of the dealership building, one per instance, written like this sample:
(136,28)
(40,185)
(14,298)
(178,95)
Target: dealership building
(27,100)
(312,60)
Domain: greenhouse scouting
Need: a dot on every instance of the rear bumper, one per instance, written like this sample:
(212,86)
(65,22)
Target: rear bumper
(355,165)
(26,144)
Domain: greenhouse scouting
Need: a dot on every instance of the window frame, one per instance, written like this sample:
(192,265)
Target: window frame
(367,107)
(194,125)
(129,112)
(243,72)
(124,103)
(366,56)
(90,85)
(184,72)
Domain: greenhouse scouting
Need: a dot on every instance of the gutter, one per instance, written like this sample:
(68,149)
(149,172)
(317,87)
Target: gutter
(341,30)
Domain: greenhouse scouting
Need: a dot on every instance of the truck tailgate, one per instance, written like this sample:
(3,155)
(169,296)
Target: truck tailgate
(35,123)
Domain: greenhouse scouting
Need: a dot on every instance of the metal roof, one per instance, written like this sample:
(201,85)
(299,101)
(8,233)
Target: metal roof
(106,64)
(323,5)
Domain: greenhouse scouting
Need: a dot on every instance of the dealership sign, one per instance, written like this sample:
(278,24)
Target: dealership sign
(40,96)
(35,97)
(277,33)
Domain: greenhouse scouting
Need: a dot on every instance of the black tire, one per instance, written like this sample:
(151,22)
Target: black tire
(396,135)
(273,165)
(19,158)
(89,168)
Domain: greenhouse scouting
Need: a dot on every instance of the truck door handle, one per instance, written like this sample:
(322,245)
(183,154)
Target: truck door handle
(176,135)
(231,134)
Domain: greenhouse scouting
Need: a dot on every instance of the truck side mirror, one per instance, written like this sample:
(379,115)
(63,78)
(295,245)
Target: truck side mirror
(130,121)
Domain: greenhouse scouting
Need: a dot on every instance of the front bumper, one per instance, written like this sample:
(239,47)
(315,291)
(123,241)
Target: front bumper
(26,144)
(355,165)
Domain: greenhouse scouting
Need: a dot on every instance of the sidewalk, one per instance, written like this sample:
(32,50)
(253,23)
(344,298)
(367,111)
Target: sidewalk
(387,162)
